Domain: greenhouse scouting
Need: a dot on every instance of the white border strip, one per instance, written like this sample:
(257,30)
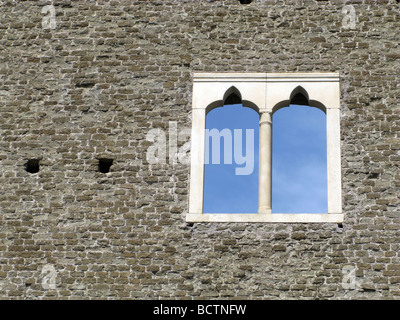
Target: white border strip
(273,218)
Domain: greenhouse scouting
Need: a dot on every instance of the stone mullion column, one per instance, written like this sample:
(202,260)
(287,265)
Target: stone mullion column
(265,165)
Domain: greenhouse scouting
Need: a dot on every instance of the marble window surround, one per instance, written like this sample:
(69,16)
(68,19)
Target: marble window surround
(265,93)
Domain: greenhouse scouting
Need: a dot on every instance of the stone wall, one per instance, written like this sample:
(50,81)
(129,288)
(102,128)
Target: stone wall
(92,81)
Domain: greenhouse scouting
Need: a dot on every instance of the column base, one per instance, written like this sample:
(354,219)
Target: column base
(264,210)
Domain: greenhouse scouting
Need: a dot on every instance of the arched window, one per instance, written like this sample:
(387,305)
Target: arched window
(299,155)
(299,167)
(231,157)
(267,94)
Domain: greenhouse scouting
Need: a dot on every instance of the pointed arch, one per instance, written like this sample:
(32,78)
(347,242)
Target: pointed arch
(232,96)
(299,96)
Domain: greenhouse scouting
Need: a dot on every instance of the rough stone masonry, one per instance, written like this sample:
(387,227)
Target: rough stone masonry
(82,82)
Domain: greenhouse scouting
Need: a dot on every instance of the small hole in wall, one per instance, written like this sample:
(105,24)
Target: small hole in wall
(32,166)
(105,165)
(245,1)
(373,175)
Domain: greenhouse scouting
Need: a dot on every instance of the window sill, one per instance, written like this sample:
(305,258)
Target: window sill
(273,218)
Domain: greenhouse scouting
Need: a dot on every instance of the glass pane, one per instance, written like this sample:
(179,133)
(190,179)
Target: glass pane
(299,163)
(231,184)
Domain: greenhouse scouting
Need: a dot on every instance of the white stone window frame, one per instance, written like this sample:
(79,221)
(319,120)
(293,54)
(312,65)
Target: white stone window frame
(266,93)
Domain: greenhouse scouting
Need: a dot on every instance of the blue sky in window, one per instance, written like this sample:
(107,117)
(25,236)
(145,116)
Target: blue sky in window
(226,192)
(299,175)
(299,162)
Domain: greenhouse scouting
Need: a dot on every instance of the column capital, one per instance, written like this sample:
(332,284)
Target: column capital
(265,118)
